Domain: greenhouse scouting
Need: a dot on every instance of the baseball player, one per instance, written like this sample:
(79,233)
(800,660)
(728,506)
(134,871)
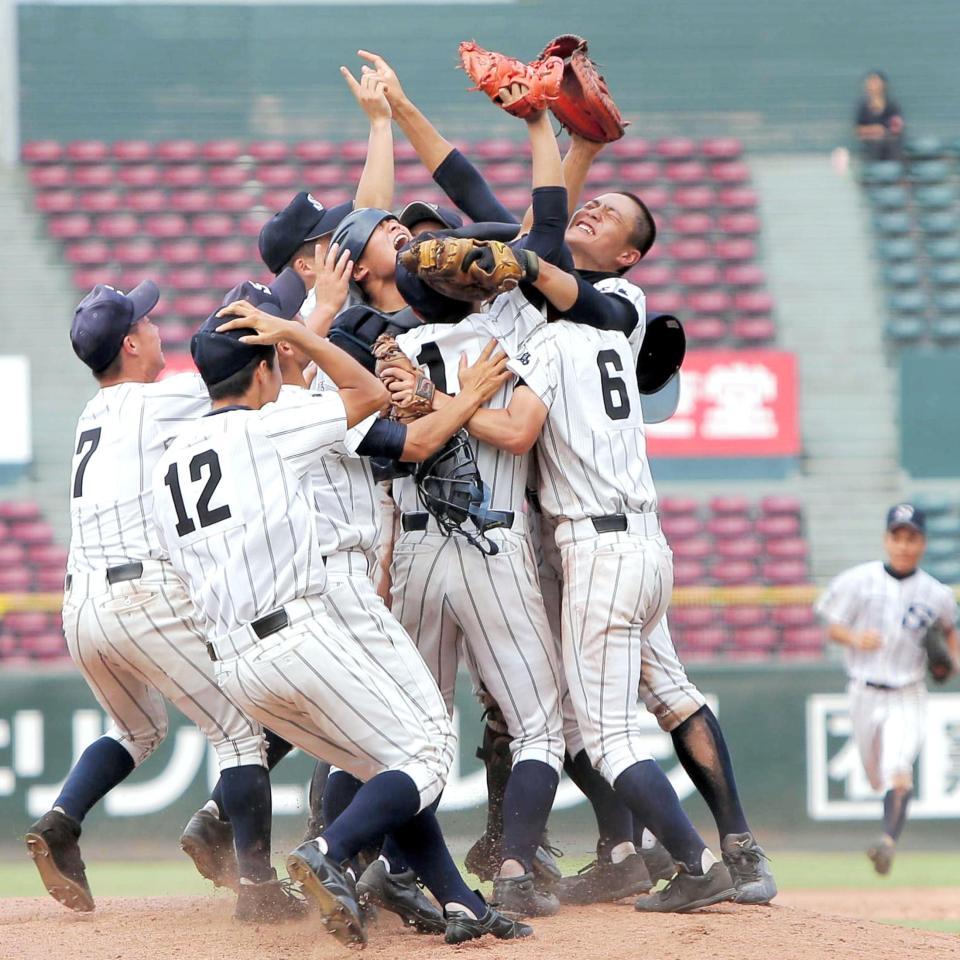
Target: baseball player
(879,612)
(128,620)
(233,503)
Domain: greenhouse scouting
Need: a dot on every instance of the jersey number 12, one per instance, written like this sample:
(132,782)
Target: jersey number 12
(206,514)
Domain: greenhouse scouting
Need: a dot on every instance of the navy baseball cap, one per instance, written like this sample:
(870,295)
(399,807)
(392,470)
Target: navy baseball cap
(356,228)
(907,515)
(303,219)
(104,317)
(221,355)
(420,210)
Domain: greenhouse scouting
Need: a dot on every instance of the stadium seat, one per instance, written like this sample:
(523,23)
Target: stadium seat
(902,275)
(279,175)
(690,171)
(689,249)
(695,548)
(665,301)
(314,151)
(934,198)
(946,328)
(928,172)
(947,303)
(228,177)
(725,526)
(692,224)
(924,148)
(897,248)
(49,178)
(743,548)
(189,278)
(213,225)
(675,148)
(12,554)
(944,248)
(933,504)
(784,572)
(228,251)
(733,572)
(69,227)
(131,151)
(88,252)
(709,301)
(232,201)
(652,274)
(756,639)
(793,615)
(753,330)
(356,150)
(41,151)
(721,148)
(893,197)
(729,172)
(705,331)
(87,151)
(882,172)
(739,617)
(134,252)
(221,151)
(117,226)
(139,176)
(699,275)
(177,151)
(601,172)
(630,148)
(507,174)
(17,511)
(415,175)
(705,643)
(325,175)
(695,198)
(183,250)
(692,618)
(31,532)
(687,572)
(734,249)
(743,224)
(779,505)
(893,224)
(677,527)
(787,548)
(164,225)
(196,307)
(183,176)
(673,506)
(92,176)
(743,275)
(100,201)
(640,174)
(907,302)
(737,198)
(939,223)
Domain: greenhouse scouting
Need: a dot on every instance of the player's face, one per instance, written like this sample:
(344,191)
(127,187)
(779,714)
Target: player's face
(303,263)
(145,334)
(905,547)
(600,231)
(379,257)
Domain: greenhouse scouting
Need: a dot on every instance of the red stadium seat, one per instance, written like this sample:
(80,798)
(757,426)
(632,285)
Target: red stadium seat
(275,200)
(680,527)
(192,278)
(652,274)
(128,279)
(785,572)
(730,506)
(233,201)
(745,224)
(86,278)
(280,175)
(734,249)
(721,148)
(497,149)
(754,329)
(325,175)
(698,275)
(781,504)
(147,201)
(165,225)
(630,148)
(25,623)
(665,301)
(601,172)
(695,548)
(48,580)
(693,618)
(71,226)
(758,639)
(15,580)
(728,525)
(118,226)
(183,176)
(134,251)
(744,548)
(12,554)
(787,548)
(314,151)
(737,198)
(690,249)
(516,199)
(694,198)
(249,224)
(810,639)
(688,172)
(215,225)
(676,508)
(753,301)
(777,526)
(738,617)
(705,331)
(794,615)
(101,201)
(88,252)
(227,277)
(93,176)
(355,150)
(177,151)
(675,148)
(729,172)
(190,201)
(703,643)
(182,250)
(31,532)
(49,178)
(269,151)
(231,250)
(15,511)
(195,307)
(733,572)
(88,151)
(177,335)
(656,197)
(687,572)
(131,151)
(415,175)
(709,301)
(42,151)
(640,174)
(141,176)
(404,152)
(221,151)
(743,275)
(692,224)
(227,176)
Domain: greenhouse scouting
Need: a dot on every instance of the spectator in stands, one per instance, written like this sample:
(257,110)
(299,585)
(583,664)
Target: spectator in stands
(879,121)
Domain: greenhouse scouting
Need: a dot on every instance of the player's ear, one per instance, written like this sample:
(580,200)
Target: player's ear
(628,257)
(360,274)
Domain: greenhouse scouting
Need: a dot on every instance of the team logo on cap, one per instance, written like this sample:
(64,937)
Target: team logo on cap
(316,203)
(902,513)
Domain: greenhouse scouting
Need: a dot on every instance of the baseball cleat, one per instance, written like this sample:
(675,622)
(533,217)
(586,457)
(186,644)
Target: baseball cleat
(270,901)
(461,928)
(660,865)
(546,873)
(881,855)
(52,843)
(518,897)
(330,887)
(685,892)
(749,868)
(400,894)
(483,858)
(208,842)
(603,881)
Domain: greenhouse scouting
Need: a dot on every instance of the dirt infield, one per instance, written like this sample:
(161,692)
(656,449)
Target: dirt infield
(191,928)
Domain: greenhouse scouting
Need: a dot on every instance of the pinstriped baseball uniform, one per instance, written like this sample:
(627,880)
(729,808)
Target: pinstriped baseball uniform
(887,686)
(617,578)
(444,588)
(136,640)
(234,505)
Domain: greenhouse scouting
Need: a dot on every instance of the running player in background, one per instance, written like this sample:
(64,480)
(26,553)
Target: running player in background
(879,612)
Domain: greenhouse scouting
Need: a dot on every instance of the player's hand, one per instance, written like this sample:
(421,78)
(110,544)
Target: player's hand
(868,640)
(269,329)
(582,145)
(391,82)
(486,375)
(517,91)
(333,271)
(401,383)
(370,92)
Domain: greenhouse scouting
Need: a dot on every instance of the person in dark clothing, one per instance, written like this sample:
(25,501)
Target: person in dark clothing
(879,121)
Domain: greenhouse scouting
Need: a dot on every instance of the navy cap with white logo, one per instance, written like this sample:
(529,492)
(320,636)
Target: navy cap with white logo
(303,219)
(906,515)
(104,317)
(221,355)
(419,210)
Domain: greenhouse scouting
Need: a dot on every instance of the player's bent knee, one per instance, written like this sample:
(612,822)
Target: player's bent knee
(139,744)
(240,751)
(901,781)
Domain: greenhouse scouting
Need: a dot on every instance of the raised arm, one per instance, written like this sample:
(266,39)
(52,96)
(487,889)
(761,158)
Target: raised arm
(375,188)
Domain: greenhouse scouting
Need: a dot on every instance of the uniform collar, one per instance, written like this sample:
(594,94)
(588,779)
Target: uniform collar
(233,406)
(898,576)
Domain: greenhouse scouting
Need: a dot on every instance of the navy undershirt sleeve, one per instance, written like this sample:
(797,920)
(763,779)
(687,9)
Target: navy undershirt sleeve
(463,183)
(606,311)
(386,438)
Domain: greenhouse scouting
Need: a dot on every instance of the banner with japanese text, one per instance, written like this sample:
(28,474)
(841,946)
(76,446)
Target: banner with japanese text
(733,403)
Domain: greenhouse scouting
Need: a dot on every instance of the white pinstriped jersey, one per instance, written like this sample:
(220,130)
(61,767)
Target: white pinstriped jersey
(591,454)
(233,502)
(120,436)
(436,347)
(866,597)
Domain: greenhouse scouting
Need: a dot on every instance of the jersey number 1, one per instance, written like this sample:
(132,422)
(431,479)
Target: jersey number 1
(205,514)
(615,398)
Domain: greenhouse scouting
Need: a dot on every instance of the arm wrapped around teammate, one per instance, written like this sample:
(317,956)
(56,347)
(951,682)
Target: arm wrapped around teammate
(419,401)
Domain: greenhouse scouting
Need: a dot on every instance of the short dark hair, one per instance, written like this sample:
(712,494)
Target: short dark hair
(306,250)
(111,370)
(644,231)
(238,383)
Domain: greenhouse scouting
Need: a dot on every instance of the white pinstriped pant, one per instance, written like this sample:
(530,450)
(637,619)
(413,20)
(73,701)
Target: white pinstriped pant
(137,643)
(445,589)
(616,588)
(888,728)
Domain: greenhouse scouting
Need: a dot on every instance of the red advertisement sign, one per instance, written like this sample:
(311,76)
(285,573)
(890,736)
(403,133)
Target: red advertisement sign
(733,403)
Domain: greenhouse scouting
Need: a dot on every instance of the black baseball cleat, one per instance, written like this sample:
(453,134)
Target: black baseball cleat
(546,873)
(660,865)
(314,828)
(483,858)
(208,842)
(52,843)
(331,888)
(461,928)
(749,867)
(686,892)
(270,901)
(604,881)
(400,894)
(881,855)
(518,897)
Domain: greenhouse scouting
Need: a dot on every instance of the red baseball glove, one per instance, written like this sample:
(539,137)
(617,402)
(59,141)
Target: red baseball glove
(584,105)
(492,72)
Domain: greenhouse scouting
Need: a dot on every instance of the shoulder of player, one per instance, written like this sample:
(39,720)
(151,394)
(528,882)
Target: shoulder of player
(622,287)
(859,575)
(929,580)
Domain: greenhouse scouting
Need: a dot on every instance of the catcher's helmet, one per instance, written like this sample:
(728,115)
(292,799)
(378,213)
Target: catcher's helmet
(451,490)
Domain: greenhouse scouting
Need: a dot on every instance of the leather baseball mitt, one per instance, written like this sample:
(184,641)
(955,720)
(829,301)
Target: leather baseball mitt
(467,269)
(387,353)
(584,105)
(492,72)
(939,661)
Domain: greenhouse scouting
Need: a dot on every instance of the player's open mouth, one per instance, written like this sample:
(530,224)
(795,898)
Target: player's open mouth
(400,240)
(586,228)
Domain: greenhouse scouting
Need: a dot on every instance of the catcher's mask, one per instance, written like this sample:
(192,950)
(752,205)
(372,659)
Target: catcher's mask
(451,490)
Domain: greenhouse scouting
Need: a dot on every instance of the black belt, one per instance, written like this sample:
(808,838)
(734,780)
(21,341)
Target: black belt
(612,523)
(118,574)
(416,522)
(266,626)
(880,686)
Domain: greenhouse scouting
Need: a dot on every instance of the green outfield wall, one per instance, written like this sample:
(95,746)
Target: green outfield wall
(787,726)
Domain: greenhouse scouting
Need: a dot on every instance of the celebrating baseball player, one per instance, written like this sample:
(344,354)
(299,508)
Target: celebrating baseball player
(892,619)
(128,618)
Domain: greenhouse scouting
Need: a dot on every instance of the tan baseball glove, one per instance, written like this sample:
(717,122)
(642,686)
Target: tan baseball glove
(387,353)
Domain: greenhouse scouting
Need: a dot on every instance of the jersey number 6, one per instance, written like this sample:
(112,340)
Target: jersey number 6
(205,514)
(615,399)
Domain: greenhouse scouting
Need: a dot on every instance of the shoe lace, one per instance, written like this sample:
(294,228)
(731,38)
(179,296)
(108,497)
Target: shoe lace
(592,865)
(292,889)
